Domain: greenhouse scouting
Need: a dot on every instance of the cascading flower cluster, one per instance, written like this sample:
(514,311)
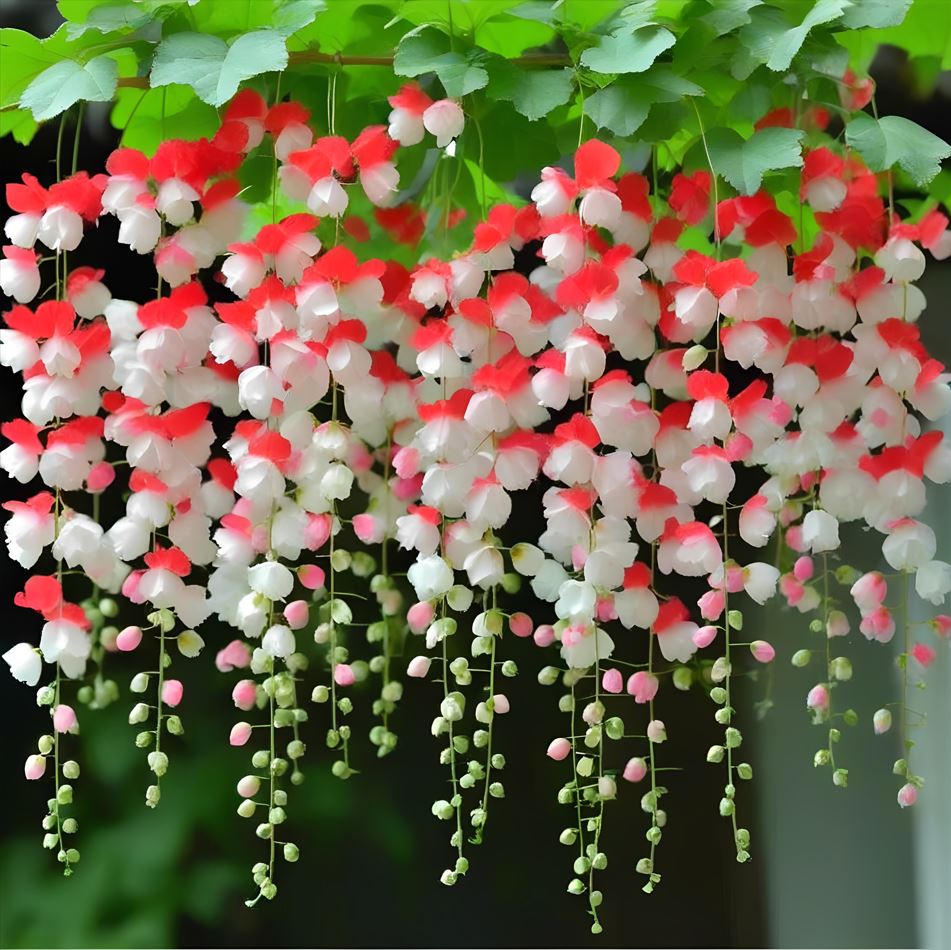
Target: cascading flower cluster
(274,449)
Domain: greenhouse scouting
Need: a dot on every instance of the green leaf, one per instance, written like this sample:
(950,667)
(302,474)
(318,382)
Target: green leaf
(62,85)
(534,93)
(875,14)
(771,39)
(110,18)
(893,140)
(211,67)
(427,51)
(743,163)
(18,123)
(617,108)
(728,15)
(295,15)
(628,53)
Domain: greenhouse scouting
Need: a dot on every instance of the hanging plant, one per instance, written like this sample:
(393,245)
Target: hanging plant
(372,363)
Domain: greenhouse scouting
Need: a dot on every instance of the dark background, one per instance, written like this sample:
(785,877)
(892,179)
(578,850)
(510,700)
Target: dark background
(371,853)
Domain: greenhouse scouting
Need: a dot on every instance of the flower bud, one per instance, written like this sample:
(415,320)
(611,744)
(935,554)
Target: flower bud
(762,651)
(656,732)
(548,675)
(907,795)
(802,658)
(635,770)
(138,713)
(71,769)
(129,638)
(35,767)
(882,721)
(840,669)
(693,358)
(240,733)
(558,749)
(140,683)
(715,754)
(158,763)
(682,678)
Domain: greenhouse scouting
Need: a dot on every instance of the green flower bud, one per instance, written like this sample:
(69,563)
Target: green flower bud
(569,836)
(850,717)
(548,676)
(448,877)
(576,887)
(735,619)
(320,694)
(718,695)
(291,852)
(71,769)
(683,678)
(840,669)
(45,745)
(802,658)
(260,759)
(264,831)
(174,725)
(497,790)
(158,763)
(821,758)
(726,807)
(509,668)
(296,749)
(744,770)
(715,754)
(45,696)
(443,810)
(840,778)
(247,808)
(733,738)
(614,727)
(341,770)
(511,583)
(70,826)
(140,683)
(153,795)
(144,739)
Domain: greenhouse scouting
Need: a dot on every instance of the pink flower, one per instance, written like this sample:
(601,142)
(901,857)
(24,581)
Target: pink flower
(803,569)
(311,576)
(240,733)
(172,691)
(924,654)
(418,667)
(544,635)
(244,694)
(762,651)
(35,767)
(129,638)
(297,613)
(558,749)
(521,625)
(235,656)
(612,681)
(64,718)
(907,795)
(420,616)
(642,686)
(704,636)
(343,674)
(818,699)
(635,770)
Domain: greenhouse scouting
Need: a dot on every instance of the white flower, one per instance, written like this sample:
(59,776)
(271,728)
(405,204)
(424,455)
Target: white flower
(271,579)
(445,120)
(431,577)
(594,645)
(576,600)
(759,581)
(25,663)
(820,531)
(910,545)
(933,581)
(279,641)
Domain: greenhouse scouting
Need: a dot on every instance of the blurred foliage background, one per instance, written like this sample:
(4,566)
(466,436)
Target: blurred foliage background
(371,852)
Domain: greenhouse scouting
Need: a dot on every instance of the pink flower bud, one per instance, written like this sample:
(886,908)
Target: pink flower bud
(521,625)
(734,579)
(34,767)
(172,691)
(343,674)
(64,718)
(942,625)
(420,616)
(558,749)
(612,681)
(311,576)
(240,733)
(878,624)
(100,477)
(907,795)
(606,610)
(235,656)
(129,638)
(818,699)
(367,528)
(882,721)
(924,654)
(418,667)
(656,731)
(704,636)
(803,569)
(244,694)
(500,704)
(318,532)
(130,587)
(297,613)
(762,651)
(642,686)
(544,635)
(249,786)
(579,554)
(711,604)
(635,770)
